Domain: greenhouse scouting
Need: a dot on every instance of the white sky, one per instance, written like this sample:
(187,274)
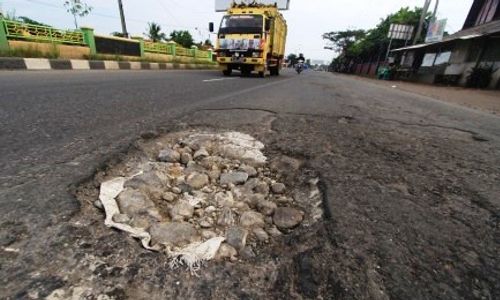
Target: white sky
(306,21)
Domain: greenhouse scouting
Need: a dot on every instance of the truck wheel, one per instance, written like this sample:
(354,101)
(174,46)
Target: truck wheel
(227,72)
(275,71)
(262,74)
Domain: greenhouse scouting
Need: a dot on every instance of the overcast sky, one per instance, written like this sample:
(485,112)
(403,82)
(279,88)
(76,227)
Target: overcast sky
(306,21)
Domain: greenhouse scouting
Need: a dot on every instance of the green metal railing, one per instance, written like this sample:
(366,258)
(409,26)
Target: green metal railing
(164,48)
(182,51)
(202,54)
(22,31)
(160,48)
(13,30)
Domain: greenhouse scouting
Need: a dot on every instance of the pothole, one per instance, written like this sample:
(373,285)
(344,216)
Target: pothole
(199,196)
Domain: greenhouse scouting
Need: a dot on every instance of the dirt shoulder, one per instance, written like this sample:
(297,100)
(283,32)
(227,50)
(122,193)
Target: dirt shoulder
(484,100)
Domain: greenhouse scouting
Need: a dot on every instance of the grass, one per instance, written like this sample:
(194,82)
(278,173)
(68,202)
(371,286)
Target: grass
(33,52)
(147,60)
(30,52)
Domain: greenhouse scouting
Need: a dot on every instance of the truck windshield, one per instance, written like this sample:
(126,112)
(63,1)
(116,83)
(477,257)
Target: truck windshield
(241,24)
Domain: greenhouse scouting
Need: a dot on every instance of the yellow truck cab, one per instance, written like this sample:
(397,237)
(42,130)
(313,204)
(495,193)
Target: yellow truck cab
(251,38)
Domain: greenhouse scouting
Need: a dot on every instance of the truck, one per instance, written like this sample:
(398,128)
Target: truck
(251,38)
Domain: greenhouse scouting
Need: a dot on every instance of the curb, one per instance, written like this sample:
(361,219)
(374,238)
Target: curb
(17,63)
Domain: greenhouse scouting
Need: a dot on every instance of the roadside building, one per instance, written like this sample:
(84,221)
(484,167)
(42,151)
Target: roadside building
(452,60)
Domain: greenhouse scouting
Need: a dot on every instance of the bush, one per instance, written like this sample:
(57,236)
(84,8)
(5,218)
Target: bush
(480,76)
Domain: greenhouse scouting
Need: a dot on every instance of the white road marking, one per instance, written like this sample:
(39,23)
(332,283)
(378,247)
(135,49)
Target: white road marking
(218,79)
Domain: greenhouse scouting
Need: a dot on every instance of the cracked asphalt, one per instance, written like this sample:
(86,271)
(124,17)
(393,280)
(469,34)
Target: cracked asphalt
(411,186)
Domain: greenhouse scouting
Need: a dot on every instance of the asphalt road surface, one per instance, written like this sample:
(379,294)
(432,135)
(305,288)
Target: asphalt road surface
(412,186)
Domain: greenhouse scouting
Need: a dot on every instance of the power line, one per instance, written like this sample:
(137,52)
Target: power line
(167,11)
(138,21)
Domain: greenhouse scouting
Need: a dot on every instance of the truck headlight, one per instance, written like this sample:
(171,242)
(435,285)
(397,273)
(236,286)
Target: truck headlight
(255,54)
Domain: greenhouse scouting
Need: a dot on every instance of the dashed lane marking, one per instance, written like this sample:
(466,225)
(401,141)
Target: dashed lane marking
(218,79)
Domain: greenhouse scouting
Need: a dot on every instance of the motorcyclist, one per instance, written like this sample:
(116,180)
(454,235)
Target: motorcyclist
(301,59)
(299,67)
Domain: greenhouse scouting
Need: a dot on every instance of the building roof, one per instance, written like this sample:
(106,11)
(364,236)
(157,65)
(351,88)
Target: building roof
(467,34)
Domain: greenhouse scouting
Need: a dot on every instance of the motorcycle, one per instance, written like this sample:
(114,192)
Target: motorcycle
(299,67)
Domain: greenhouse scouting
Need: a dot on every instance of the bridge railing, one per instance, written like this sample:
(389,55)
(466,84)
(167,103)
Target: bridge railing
(21,31)
(14,30)
(159,48)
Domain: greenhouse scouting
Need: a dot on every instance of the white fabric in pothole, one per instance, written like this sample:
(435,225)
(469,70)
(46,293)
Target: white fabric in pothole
(234,145)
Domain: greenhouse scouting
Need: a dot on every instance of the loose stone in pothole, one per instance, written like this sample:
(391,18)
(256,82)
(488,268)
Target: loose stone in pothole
(202,196)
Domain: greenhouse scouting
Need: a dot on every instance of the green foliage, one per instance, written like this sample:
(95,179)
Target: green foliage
(205,45)
(11,16)
(344,40)
(292,58)
(154,32)
(182,37)
(117,34)
(360,45)
(30,52)
(31,21)
(480,76)
(144,59)
(77,8)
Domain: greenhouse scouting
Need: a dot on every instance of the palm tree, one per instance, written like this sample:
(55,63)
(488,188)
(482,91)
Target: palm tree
(154,32)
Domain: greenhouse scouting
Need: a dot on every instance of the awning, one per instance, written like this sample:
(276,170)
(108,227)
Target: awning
(471,36)
(487,29)
(412,47)
(445,40)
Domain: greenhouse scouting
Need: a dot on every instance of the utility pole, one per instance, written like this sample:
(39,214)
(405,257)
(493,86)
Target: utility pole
(425,9)
(122,17)
(435,10)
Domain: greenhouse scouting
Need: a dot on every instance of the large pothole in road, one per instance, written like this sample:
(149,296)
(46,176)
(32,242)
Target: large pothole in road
(199,196)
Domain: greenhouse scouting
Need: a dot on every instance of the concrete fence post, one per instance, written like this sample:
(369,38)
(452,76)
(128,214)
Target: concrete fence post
(4,43)
(195,51)
(88,37)
(174,50)
(141,43)
(210,55)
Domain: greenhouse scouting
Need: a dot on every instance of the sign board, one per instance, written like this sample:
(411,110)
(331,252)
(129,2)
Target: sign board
(239,44)
(436,31)
(442,58)
(401,32)
(224,5)
(429,59)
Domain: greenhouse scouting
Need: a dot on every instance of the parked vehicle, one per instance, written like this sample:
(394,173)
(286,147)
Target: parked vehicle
(251,38)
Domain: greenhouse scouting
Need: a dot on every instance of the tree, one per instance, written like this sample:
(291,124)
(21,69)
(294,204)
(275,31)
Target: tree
(205,45)
(358,46)
(182,37)
(117,34)
(208,44)
(343,40)
(292,59)
(11,15)
(31,21)
(77,8)
(154,32)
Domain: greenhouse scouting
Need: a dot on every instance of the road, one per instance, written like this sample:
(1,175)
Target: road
(411,185)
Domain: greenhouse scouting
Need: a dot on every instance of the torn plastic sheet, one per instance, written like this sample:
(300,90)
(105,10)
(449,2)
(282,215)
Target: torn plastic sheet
(109,191)
(192,256)
(195,254)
